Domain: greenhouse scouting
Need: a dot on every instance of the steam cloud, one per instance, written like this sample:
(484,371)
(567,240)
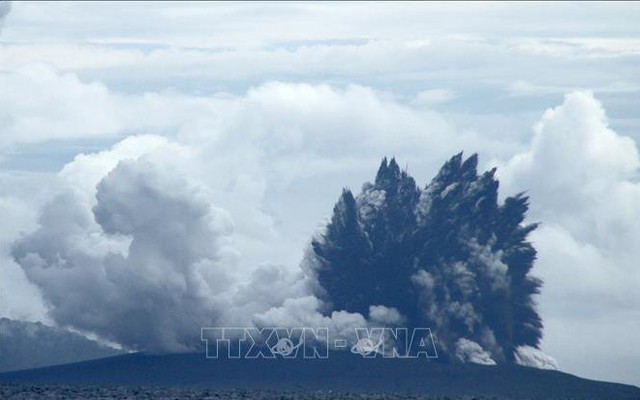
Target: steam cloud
(144,271)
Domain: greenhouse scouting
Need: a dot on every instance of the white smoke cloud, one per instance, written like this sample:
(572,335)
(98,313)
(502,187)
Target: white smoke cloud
(491,262)
(382,316)
(87,170)
(470,351)
(532,357)
(305,311)
(424,280)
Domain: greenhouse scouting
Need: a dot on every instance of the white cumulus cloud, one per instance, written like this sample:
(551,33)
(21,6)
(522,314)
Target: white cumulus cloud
(583,180)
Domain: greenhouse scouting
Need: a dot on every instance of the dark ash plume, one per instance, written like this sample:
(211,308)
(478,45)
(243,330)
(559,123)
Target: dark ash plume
(448,256)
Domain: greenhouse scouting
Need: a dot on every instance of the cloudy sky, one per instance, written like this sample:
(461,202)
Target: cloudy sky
(244,121)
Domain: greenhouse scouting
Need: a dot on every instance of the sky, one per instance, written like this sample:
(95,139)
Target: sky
(115,117)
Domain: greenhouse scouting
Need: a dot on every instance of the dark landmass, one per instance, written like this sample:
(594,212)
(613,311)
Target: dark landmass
(26,345)
(342,372)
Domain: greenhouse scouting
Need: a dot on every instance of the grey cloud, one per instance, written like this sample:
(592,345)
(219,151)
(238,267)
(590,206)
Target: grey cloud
(149,261)
(147,274)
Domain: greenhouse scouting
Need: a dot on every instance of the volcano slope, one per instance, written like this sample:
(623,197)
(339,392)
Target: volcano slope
(341,372)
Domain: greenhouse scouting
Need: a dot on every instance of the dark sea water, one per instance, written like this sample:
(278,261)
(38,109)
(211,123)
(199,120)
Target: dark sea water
(27,391)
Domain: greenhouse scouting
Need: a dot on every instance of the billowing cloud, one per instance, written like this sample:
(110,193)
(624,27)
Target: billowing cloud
(305,311)
(143,270)
(532,357)
(583,178)
(470,351)
(587,158)
(130,249)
